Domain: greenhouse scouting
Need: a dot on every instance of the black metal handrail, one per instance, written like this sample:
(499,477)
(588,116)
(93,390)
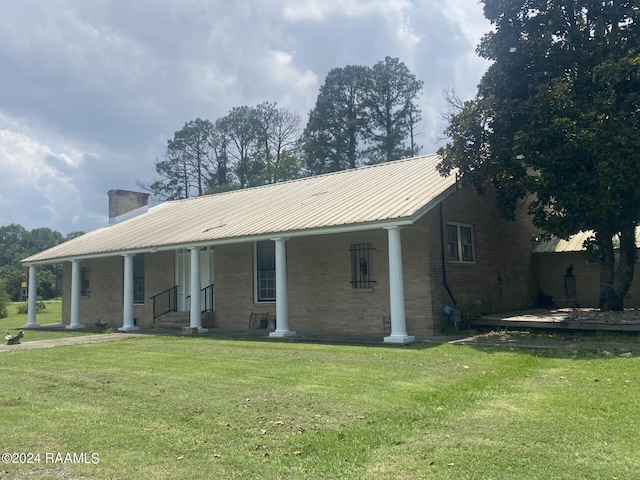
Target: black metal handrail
(208,296)
(165,302)
(207,299)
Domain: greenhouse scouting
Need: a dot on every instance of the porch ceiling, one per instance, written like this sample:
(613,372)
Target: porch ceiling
(390,193)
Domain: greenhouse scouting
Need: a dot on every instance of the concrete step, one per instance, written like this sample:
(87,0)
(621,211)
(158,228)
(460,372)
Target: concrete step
(177,320)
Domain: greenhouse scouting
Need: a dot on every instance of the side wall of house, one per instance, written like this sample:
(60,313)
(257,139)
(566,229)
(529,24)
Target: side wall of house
(104,301)
(503,275)
(553,268)
(321,297)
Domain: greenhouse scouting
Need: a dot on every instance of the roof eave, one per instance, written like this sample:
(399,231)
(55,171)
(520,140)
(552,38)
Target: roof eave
(334,229)
(434,202)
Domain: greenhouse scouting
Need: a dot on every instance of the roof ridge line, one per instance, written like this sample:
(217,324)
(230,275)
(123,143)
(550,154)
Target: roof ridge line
(301,179)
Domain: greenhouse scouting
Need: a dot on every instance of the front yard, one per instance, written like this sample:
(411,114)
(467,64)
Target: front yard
(196,407)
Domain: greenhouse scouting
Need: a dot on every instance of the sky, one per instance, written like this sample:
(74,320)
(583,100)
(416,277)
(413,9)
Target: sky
(91,90)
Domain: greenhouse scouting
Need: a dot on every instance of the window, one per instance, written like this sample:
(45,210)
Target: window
(84,282)
(138,278)
(460,239)
(266,271)
(361,276)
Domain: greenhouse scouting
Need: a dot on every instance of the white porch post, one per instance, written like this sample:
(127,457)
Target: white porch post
(33,299)
(396,290)
(282,301)
(127,294)
(75,296)
(195,316)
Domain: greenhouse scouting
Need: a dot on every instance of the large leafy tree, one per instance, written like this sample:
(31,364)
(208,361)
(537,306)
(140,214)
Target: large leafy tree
(338,123)
(557,115)
(363,115)
(393,111)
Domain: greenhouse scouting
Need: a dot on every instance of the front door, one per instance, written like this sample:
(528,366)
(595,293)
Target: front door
(183,275)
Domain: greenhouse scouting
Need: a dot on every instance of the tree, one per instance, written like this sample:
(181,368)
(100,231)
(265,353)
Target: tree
(277,132)
(219,142)
(557,115)
(188,164)
(193,144)
(393,112)
(4,299)
(360,113)
(241,124)
(284,136)
(17,243)
(338,122)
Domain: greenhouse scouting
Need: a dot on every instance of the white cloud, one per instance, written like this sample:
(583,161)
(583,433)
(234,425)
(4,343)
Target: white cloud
(91,91)
(35,182)
(320,10)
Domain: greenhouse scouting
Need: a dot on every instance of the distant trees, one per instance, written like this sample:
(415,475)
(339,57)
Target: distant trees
(17,243)
(249,146)
(362,115)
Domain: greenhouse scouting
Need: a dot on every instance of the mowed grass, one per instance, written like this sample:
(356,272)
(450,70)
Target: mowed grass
(196,407)
(53,314)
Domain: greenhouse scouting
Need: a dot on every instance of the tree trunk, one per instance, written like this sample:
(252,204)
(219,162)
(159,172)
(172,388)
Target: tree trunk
(615,282)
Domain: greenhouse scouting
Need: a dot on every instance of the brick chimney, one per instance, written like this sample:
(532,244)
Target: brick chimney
(124,204)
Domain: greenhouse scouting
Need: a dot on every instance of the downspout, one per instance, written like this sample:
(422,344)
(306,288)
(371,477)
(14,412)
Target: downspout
(444,270)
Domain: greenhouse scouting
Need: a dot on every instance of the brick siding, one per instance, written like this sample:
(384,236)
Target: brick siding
(321,298)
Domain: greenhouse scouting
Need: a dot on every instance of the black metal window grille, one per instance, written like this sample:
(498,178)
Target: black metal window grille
(84,282)
(138,278)
(361,276)
(266,271)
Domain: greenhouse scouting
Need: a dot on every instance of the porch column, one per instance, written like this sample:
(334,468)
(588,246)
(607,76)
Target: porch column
(127,295)
(396,290)
(32,299)
(195,316)
(75,296)
(282,301)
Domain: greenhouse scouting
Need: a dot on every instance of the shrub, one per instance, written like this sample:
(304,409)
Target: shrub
(23,308)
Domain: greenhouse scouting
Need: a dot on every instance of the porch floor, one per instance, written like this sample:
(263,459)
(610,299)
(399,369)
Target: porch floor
(564,318)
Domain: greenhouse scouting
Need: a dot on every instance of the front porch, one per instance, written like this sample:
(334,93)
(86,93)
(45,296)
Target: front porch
(341,282)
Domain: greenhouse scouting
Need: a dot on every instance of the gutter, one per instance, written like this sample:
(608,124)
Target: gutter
(444,270)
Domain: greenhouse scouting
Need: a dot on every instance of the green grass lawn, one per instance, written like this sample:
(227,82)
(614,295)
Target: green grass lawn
(197,407)
(53,314)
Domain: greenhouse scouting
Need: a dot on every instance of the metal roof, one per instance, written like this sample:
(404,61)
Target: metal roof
(574,243)
(391,193)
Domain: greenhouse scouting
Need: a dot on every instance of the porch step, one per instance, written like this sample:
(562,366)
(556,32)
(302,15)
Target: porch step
(177,320)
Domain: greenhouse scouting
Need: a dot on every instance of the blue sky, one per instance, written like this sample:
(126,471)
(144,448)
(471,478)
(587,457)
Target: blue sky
(91,91)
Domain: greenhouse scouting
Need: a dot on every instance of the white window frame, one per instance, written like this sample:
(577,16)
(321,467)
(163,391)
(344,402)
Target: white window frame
(459,245)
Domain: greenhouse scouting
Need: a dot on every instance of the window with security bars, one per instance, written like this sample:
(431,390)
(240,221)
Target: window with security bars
(138,278)
(266,271)
(361,256)
(460,240)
